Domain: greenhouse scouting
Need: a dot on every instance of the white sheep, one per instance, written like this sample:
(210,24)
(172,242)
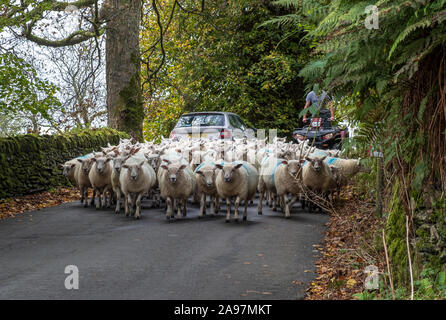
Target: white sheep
(205,175)
(136,179)
(266,182)
(177,182)
(100,179)
(288,180)
(83,180)
(116,185)
(239,180)
(317,176)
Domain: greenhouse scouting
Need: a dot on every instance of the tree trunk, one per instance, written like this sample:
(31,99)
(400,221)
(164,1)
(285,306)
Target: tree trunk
(124,99)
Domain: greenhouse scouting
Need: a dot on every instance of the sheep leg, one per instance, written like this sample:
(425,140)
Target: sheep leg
(236,204)
(179,203)
(138,206)
(228,209)
(212,204)
(132,204)
(217,204)
(92,201)
(81,189)
(202,205)
(185,207)
(302,201)
(169,205)
(245,212)
(126,204)
(259,206)
(99,204)
(283,202)
(107,197)
(274,202)
(268,194)
(118,198)
(289,206)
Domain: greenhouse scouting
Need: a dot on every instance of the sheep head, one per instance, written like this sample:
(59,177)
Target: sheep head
(173,170)
(208,175)
(229,170)
(294,167)
(86,165)
(316,163)
(67,168)
(118,162)
(101,163)
(133,170)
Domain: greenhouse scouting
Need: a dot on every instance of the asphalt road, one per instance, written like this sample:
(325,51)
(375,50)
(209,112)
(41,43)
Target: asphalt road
(267,257)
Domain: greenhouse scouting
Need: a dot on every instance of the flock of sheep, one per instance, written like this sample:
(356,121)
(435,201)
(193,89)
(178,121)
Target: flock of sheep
(175,170)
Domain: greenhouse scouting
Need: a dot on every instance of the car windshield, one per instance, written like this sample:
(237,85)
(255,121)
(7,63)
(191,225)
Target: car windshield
(204,120)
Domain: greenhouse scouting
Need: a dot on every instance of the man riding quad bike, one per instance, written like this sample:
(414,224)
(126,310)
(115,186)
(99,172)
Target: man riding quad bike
(320,131)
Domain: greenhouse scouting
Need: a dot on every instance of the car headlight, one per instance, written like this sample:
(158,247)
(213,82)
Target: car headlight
(299,137)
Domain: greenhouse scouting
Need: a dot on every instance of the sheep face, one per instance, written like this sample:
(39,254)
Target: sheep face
(294,167)
(316,163)
(134,170)
(208,175)
(101,163)
(173,171)
(335,173)
(118,162)
(153,160)
(86,165)
(67,169)
(229,170)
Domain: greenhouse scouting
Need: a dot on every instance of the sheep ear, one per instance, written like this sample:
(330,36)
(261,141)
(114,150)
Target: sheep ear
(72,166)
(93,159)
(164,167)
(182,167)
(238,166)
(125,166)
(285,162)
(308,159)
(108,159)
(323,158)
(80,160)
(199,172)
(219,166)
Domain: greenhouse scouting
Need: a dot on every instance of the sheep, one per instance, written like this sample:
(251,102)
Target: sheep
(83,180)
(69,170)
(205,175)
(136,179)
(266,181)
(317,176)
(239,180)
(177,183)
(154,161)
(100,179)
(288,179)
(346,169)
(116,185)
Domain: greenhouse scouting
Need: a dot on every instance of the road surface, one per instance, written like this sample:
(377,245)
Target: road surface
(268,257)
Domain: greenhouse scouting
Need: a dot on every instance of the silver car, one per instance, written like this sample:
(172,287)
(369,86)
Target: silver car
(211,125)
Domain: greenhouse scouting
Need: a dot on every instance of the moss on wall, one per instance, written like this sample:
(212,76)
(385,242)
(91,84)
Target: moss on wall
(396,237)
(31,163)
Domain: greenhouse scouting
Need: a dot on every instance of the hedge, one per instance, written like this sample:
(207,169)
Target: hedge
(31,163)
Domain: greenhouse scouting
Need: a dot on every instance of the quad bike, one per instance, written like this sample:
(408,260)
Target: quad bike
(321,133)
